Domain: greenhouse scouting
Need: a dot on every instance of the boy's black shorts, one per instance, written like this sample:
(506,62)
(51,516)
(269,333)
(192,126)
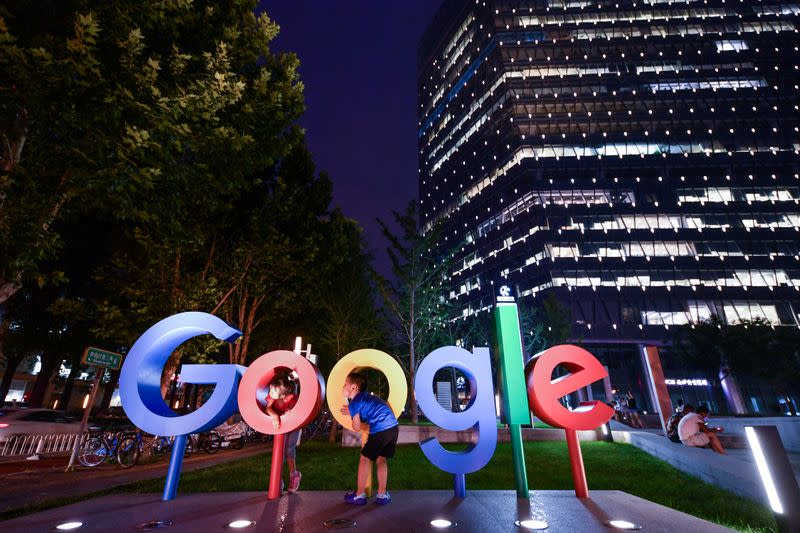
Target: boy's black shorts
(381,444)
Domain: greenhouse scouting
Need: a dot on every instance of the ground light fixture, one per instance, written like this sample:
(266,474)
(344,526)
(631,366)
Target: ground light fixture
(154,524)
(443,523)
(240,524)
(607,435)
(531,524)
(776,474)
(68,526)
(623,524)
(339,523)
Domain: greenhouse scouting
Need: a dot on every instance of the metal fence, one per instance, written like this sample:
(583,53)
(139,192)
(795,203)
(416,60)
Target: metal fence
(26,445)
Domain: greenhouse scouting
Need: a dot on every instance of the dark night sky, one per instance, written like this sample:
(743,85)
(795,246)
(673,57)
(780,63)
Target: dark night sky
(358,64)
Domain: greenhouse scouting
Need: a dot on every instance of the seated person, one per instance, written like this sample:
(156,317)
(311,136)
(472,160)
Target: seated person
(693,431)
(674,420)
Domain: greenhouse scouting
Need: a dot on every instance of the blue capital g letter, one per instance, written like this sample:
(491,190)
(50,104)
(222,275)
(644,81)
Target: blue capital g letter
(480,414)
(140,384)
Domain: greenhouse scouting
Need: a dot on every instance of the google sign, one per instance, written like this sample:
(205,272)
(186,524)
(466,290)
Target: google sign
(525,388)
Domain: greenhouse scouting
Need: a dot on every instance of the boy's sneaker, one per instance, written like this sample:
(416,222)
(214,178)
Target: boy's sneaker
(383,499)
(294,481)
(355,499)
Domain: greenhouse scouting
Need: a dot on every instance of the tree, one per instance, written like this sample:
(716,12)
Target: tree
(417,298)
(780,367)
(259,264)
(351,320)
(12,353)
(143,111)
(544,326)
(719,349)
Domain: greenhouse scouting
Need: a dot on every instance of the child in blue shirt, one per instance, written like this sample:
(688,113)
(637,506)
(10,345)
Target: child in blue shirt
(371,412)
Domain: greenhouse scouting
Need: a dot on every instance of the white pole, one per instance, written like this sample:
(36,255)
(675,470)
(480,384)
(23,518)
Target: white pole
(84,421)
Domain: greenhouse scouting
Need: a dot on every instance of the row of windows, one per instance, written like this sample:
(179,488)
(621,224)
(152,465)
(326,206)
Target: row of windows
(739,194)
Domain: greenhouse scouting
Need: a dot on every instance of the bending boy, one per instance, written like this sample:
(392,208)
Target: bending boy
(370,412)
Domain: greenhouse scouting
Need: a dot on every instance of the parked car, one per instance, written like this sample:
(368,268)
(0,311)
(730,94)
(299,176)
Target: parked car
(35,421)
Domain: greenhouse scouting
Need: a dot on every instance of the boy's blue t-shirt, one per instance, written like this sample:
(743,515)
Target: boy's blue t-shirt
(374,411)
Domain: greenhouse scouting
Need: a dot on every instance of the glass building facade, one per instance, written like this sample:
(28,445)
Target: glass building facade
(637,158)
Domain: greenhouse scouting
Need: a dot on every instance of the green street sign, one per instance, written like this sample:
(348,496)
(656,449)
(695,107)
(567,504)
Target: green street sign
(102,358)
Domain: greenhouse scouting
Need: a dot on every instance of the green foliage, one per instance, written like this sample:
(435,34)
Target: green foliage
(543,323)
(154,113)
(417,299)
(350,320)
(712,346)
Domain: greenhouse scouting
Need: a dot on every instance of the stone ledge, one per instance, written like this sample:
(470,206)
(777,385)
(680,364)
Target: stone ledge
(416,434)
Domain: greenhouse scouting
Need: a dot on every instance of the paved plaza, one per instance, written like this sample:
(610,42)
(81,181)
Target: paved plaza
(410,511)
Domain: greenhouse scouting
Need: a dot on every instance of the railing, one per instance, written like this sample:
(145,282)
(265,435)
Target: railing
(28,445)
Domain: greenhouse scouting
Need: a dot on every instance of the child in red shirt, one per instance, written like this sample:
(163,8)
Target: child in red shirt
(280,400)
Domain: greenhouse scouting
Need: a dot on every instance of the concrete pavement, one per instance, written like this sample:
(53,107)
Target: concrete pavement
(410,511)
(25,484)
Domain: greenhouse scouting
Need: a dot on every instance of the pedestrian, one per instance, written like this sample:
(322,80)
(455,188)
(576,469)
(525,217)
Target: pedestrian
(674,420)
(633,411)
(693,431)
(281,399)
(370,411)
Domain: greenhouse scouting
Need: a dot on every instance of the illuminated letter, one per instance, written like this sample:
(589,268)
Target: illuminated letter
(480,414)
(140,384)
(544,393)
(369,358)
(511,375)
(253,391)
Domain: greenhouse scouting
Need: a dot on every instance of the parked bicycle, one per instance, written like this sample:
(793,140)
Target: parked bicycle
(210,441)
(130,448)
(319,427)
(105,447)
(161,445)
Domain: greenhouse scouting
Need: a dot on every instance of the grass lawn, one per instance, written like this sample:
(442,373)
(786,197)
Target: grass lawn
(608,466)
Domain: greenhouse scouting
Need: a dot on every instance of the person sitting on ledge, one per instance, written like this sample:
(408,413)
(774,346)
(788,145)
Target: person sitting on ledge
(694,431)
(674,420)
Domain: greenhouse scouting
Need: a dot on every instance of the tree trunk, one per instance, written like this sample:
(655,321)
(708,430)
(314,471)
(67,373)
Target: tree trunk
(50,362)
(412,399)
(7,289)
(455,404)
(8,376)
(66,394)
(334,430)
(169,369)
(108,392)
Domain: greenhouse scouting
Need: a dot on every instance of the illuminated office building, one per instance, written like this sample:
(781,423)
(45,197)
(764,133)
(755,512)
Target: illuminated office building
(637,158)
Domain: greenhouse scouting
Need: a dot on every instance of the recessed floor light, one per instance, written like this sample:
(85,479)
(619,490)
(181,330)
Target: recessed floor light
(67,526)
(338,523)
(154,524)
(443,523)
(622,524)
(531,524)
(241,524)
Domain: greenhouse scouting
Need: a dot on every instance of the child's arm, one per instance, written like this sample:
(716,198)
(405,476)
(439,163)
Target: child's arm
(357,422)
(276,418)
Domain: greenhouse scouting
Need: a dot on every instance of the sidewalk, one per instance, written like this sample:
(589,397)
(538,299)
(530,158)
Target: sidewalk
(735,472)
(33,482)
